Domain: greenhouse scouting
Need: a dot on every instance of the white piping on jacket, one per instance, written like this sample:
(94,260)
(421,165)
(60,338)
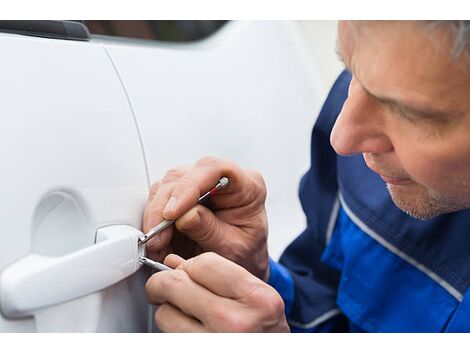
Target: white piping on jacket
(444,284)
(332,221)
(322,318)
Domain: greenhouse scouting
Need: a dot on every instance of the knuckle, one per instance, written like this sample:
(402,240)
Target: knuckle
(230,165)
(187,187)
(240,323)
(187,183)
(238,250)
(151,288)
(150,284)
(202,261)
(195,223)
(171,279)
(207,259)
(259,184)
(259,180)
(272,305)
(246,195)
(172,175)
(175,277)
(208,161)
(258,176)
(276,308)
(206,228)
(255,175)
(190,224)
(229,320)
(154,188)
(217,312)
(161,314)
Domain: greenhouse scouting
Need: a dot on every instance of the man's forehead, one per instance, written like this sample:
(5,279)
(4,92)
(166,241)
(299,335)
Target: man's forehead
(400,60)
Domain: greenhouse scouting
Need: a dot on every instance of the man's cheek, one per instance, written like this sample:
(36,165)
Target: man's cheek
(429,170)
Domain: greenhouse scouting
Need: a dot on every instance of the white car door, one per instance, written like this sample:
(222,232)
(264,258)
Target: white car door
(249,93)
(71,164)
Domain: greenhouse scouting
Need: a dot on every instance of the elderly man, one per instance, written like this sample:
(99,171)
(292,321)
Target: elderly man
(386,247)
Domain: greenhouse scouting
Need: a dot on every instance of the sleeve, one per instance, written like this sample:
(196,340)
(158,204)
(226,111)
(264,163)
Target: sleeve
(281,279)
(307,285)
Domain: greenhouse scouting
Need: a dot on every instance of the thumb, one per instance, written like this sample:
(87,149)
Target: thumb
(202,226)
(173,261)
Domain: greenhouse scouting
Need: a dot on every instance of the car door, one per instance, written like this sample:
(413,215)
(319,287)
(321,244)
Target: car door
(249,92)
(72,174)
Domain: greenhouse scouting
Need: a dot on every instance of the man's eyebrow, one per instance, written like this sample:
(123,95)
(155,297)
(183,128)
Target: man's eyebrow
(426,112)
(421,111)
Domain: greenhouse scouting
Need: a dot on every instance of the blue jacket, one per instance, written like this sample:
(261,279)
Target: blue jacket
(362,264)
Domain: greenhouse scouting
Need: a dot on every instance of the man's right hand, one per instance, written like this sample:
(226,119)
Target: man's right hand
(235,227)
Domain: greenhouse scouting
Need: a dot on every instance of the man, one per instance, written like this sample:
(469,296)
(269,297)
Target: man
(399,123)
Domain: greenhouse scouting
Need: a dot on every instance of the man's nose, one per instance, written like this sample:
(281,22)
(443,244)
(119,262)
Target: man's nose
(360,127)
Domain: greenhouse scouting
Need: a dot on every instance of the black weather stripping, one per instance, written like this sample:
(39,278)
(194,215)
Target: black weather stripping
(69,30)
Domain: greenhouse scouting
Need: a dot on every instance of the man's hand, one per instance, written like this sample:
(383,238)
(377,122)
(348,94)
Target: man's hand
(209,293)
(234,224)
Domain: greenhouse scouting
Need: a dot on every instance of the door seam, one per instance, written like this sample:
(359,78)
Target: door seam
(144,155)
(131,107)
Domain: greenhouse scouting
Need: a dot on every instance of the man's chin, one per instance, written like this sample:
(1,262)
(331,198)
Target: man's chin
(415,201)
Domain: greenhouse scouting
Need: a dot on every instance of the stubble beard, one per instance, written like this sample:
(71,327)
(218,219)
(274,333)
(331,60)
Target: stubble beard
(422,204)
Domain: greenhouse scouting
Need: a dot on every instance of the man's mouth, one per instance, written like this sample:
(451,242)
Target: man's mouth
(395,180)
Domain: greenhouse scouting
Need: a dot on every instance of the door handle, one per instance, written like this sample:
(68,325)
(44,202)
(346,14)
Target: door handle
(37,281)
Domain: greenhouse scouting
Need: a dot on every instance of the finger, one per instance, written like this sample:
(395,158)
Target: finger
(197,181)
(221,276)
(158,197)
(251,192)
(202,226)
(169,177)
(173,260)
(154,216)
(153,189)
(174,174)
(168,318)
(177,288)
(156,204)
(160,255)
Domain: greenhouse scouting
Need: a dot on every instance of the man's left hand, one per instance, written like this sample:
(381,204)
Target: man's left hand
(209,293)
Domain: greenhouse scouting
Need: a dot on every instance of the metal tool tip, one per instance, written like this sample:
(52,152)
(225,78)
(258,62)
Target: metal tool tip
(142,260)
(224,182)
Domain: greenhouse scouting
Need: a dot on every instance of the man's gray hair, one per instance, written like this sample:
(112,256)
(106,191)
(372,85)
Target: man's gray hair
(460,30)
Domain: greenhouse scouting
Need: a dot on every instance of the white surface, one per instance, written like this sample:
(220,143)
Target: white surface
(37,281)
(319,38)
(249,93)
(70,154)
(71,160)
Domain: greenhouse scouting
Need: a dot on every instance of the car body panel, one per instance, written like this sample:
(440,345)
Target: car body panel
(87,125)
(247,93)
(71,163)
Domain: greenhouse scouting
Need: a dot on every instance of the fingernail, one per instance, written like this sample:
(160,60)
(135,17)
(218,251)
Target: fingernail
(170,206)
(189,220)
(154,240)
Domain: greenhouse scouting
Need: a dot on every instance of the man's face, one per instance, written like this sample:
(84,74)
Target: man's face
(408,112)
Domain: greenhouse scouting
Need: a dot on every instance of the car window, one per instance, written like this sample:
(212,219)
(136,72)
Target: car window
(170,31)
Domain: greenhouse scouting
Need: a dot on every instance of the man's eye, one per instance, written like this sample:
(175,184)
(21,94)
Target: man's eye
(400,113)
